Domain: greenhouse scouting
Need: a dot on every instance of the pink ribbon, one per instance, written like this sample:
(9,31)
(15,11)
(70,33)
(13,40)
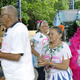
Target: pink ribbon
(39,21)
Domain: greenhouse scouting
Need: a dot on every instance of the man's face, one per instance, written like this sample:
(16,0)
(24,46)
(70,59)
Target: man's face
(4,17)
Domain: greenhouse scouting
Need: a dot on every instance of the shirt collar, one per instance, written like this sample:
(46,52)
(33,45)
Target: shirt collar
(12,25)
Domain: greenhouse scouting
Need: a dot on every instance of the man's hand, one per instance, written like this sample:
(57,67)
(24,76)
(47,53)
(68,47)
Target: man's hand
(0,54)
(2,78)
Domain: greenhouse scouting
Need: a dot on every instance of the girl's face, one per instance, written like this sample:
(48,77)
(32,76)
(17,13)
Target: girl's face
(54,35)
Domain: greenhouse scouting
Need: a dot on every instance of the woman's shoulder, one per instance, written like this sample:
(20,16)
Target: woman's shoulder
(65,44)
(36,35)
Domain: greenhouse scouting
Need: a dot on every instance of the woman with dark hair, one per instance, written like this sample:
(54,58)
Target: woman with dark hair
(57,56)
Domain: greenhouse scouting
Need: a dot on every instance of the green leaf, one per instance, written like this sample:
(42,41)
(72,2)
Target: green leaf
(78,23)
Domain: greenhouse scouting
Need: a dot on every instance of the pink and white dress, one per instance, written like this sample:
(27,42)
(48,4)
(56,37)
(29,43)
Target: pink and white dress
(55,55)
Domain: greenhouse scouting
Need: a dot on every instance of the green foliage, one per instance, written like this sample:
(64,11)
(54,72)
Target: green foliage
(41,10)
(77,4)
(61,5)
(78,23)
(33,10)
(38,10)
(7,2)
(72,28)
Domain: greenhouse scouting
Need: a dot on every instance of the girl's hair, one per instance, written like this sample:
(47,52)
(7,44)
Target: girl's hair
(59,30)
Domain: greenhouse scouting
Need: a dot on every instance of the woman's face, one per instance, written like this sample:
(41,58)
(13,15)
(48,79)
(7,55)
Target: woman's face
(45,28)
(54,35)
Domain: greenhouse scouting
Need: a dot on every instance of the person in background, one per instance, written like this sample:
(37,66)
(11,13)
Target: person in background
(15,54)
(2,78)
(38,40)
(57,56)
(2,30)
(1,36)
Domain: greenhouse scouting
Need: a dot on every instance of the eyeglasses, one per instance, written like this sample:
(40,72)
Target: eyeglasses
(3,15)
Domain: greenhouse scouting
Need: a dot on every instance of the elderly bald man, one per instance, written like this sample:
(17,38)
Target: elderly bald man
(15,52)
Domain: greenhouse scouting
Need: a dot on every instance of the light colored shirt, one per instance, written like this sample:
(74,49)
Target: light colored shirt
(16,41)
(55,55)
(39,40)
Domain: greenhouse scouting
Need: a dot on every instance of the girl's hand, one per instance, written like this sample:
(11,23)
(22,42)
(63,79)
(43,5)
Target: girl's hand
(32,43)
(43,56)
(39,59)
(43,62)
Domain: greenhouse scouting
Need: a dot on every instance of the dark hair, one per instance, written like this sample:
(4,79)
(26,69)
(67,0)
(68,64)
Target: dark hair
(39,26)
(59,30)
(40,23)
(38,31)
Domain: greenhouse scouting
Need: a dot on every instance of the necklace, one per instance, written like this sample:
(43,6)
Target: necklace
(54,45)
(52,50)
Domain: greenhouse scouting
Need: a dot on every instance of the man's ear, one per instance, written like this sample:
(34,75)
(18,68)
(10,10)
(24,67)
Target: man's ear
(9,18)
